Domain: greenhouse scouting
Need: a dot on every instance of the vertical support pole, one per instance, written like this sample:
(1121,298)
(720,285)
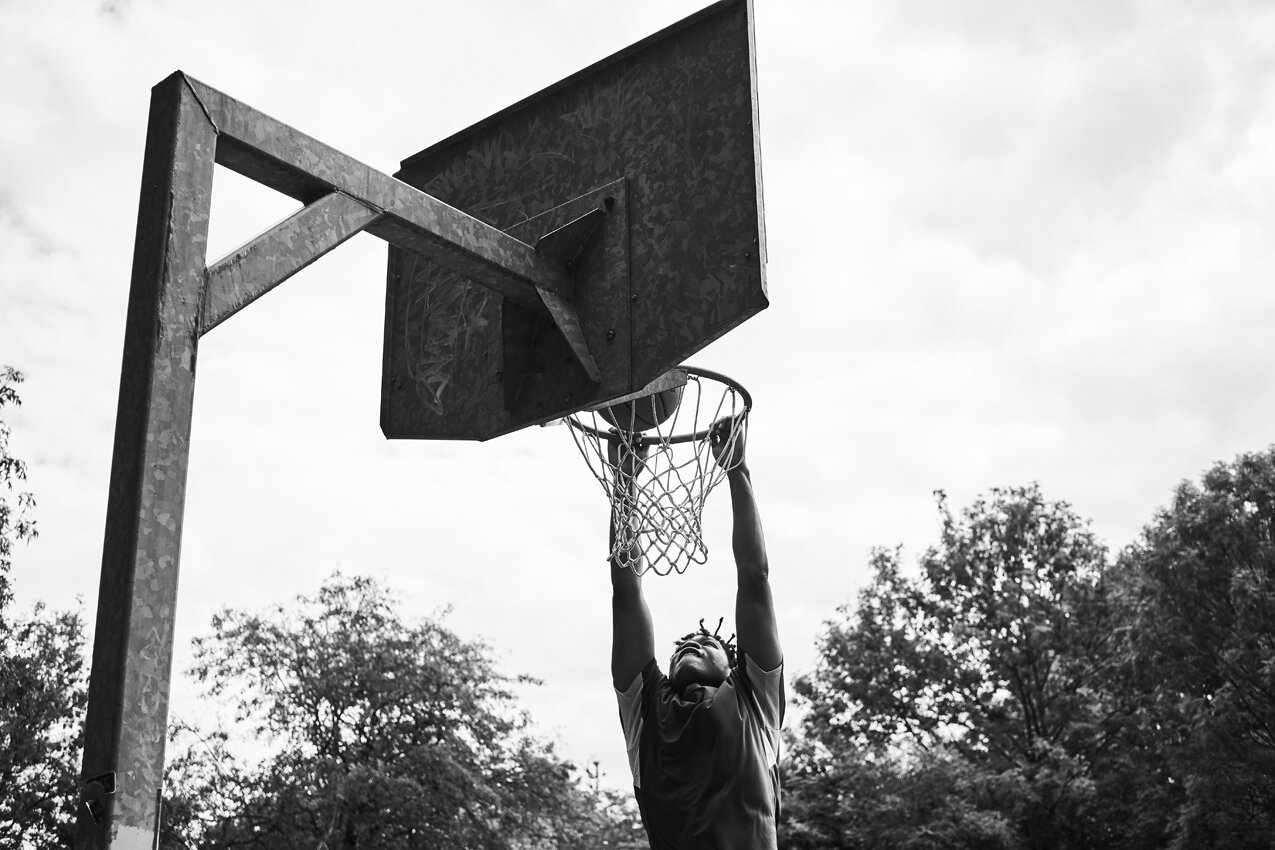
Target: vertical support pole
(125,730)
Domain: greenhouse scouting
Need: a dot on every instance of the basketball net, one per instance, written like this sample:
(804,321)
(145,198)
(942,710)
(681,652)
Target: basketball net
(657,504)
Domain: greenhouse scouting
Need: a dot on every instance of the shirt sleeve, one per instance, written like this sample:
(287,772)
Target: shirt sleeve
(631,702)
(767,687)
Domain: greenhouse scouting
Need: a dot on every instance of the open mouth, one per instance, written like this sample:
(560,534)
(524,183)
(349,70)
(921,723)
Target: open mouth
(686,650)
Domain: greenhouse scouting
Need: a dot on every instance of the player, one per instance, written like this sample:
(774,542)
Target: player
(703,740)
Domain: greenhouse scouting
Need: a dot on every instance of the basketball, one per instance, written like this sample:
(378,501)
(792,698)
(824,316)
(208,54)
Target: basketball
(643,414)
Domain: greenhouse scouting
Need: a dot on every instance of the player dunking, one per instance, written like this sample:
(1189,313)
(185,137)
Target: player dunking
(703,741)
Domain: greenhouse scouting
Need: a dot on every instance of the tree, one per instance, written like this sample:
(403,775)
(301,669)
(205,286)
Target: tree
(618,823)
(1201,593)
(904,798)
(383,733)
(16,505)
(42,684)
(983,676)
(42,701)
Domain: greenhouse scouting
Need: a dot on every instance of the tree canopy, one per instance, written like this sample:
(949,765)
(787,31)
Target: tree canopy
(1022,689)
(16,504)
(1200,586)
(972,681)
(383,733)
(42,682)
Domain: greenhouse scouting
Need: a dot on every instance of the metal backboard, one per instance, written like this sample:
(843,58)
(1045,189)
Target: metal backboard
(662,139)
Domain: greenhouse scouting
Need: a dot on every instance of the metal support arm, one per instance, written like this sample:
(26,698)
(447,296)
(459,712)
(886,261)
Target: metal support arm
(175,298)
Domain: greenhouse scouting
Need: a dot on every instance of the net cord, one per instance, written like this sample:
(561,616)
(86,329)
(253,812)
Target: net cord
(657,510)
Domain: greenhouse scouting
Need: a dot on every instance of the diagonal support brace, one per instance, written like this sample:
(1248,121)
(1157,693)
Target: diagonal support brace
(274,154)
(565,245)
(249,272)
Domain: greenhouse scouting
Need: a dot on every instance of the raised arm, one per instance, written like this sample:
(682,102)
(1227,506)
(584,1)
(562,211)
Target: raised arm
(632,634)
(756,630)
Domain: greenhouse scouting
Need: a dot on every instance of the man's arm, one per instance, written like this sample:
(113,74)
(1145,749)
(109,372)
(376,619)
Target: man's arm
(632,633)
(758,633)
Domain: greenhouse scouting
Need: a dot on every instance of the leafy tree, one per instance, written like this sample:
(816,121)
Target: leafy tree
(618,824)
(879,797)
(384,734)
(42,700)
(16,505)
(1201,589)
(981,678)
(42,685)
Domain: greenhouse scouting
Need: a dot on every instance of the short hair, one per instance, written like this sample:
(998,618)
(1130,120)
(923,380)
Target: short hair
(728,644)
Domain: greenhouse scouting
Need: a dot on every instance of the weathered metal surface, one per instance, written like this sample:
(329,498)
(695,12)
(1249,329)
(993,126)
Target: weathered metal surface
(251,271)
(270,152)
(676,115)
(127,715)
(443,333)
(566,245)
(672,379)
(661,136)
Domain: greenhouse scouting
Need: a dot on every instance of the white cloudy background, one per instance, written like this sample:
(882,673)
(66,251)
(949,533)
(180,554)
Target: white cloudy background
(1009,242)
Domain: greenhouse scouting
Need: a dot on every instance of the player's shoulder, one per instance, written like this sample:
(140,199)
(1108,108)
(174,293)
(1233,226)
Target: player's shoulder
(749,669)
(654,679)
(765,686)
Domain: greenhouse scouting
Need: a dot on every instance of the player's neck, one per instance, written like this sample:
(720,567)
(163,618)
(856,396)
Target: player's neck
(696,693)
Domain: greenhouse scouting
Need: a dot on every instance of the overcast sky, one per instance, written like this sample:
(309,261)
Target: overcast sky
(1008,242)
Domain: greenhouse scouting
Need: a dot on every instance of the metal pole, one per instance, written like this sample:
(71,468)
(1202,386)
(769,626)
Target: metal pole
(126,725)
(173,299)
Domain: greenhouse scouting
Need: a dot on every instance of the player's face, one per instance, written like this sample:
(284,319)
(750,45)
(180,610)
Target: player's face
(700,660)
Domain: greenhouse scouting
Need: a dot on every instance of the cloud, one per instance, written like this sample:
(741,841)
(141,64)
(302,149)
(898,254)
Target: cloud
(1008,242)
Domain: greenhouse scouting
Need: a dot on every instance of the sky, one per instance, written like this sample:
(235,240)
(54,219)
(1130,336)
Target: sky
(1008,243)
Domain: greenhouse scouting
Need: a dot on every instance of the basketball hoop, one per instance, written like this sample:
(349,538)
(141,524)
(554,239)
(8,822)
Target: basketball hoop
(657,509)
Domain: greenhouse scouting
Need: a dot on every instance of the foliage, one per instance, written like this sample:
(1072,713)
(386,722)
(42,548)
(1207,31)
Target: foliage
(975,679)
(913,798)
(42,700)
(618,824)
(1201,592)
(383,732)
(42,683)
(1021,692)
(15,505)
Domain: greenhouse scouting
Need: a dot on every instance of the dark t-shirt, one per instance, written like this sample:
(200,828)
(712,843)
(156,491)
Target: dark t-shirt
(706,772)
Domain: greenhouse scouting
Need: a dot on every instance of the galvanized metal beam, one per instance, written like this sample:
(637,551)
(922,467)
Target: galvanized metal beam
(244,275)
(277,155)
(127,720)
(173,299)
(565,245)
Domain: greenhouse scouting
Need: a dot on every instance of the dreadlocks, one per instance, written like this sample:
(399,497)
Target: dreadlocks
(728,644)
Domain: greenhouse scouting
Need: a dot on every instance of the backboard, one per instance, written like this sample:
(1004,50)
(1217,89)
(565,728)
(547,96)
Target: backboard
(651,157)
